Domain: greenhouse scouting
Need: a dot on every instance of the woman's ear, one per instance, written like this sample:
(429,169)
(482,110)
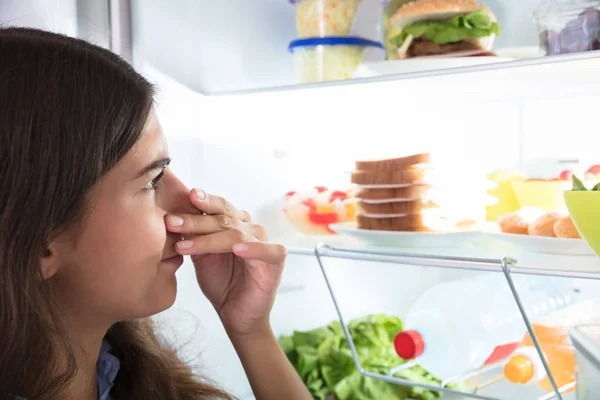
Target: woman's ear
(50,261)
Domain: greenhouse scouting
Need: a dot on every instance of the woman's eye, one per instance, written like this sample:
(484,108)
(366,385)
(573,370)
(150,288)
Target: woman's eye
(152,184)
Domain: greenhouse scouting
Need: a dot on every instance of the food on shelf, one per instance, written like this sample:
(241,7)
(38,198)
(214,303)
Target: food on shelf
(313,211)
(578,185)
(503,192)
(534,221)
(592,173)
(401,206)
(398,222)
(544,225)
(518,221)
(565,228)
(318,18)
(525,365)
(396,194)
(405,192)
(328,58)
(458,326)
(393,163)
(566,27)
(324,361)
(443,27)
(565,175)
(405,176)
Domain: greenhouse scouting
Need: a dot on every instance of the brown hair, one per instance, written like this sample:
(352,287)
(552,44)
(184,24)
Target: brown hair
(69,111)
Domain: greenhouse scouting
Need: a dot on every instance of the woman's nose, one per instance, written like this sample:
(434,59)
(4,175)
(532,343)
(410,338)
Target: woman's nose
(179,198)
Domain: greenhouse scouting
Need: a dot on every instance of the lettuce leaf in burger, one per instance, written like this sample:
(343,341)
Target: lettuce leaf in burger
(439,27)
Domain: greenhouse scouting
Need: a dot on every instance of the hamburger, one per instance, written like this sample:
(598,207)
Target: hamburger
(443,27)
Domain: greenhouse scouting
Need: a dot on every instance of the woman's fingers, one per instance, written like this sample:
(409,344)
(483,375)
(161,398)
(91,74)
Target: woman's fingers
(214,243)
(233,240)
(215,205)
(268,252)
(197,224)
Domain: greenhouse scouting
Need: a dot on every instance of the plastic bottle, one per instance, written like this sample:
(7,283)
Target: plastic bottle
(461,325)
(525,365)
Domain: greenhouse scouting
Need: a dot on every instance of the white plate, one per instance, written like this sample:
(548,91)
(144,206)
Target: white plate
(545,245)
(403,239)
(379,68)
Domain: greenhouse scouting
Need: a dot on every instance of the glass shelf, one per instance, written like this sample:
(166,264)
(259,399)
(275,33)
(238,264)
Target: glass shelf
(486,382)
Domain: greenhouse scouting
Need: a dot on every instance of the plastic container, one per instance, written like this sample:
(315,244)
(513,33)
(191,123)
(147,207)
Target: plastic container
(330,58)
(586,340)
(461,325)
(320,18)
(525,365)
(568,26)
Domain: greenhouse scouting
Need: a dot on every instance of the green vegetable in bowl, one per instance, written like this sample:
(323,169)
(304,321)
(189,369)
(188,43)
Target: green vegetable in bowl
(577,184)
(324,361)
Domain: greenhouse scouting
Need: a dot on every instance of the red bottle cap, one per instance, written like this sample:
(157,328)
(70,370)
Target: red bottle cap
(409,344)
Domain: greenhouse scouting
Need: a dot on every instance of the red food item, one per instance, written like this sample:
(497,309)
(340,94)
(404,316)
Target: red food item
(565,175)
(322,219)
(594,171)
(291,193)
(311,203)
(337,194)
(320,189)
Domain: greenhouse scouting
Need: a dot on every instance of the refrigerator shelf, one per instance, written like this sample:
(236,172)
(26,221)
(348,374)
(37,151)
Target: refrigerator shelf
(506,266)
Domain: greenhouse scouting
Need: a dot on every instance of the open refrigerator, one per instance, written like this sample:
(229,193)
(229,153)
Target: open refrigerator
(241,125)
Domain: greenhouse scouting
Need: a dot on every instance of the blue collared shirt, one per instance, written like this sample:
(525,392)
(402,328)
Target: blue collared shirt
(108,368)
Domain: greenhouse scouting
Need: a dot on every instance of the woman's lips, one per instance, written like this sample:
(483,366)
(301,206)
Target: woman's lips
(176,260)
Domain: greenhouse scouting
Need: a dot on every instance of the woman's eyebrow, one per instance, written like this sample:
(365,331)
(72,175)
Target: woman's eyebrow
(159,164)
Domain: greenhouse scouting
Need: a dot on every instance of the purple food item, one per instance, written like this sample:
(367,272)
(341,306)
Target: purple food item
(573,40)
(591,22)
(550,41)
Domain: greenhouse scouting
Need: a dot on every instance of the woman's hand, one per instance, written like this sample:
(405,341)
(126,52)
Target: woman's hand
(236,269)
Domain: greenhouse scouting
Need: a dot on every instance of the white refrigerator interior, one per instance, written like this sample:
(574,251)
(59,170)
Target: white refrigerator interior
(252,148)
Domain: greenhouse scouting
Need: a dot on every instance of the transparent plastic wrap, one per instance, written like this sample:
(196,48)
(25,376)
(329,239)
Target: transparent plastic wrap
(568,26)
(320,18)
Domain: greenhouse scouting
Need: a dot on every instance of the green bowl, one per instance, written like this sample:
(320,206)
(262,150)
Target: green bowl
(584,207)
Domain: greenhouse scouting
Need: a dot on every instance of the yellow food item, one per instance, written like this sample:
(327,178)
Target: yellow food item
(507,201)
(318,18)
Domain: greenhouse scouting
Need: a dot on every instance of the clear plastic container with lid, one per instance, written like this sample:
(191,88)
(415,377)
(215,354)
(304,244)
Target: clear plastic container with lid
(320,18)
(568,26)
(329,58)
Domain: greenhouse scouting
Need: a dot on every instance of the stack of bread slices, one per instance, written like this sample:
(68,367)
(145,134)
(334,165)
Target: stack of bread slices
(392,194)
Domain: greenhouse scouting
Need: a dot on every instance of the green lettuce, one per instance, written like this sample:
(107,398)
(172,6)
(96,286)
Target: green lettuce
(476,24)
(324,361)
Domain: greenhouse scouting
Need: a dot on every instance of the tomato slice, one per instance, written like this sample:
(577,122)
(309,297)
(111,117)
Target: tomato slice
(322,219)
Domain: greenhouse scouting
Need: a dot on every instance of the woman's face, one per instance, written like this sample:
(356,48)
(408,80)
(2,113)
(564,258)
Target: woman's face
(119,262)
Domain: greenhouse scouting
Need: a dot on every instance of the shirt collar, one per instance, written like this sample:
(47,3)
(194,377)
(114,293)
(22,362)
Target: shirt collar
(107,367)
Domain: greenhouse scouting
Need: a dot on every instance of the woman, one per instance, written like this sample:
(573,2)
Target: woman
(93,226)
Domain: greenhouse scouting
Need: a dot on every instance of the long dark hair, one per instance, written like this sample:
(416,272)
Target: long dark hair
(69,111)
